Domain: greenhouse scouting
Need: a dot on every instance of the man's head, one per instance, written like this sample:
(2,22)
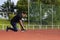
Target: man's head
(24,14)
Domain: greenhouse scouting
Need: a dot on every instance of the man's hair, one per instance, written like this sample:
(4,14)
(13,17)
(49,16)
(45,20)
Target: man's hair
(23,12)
(20,12)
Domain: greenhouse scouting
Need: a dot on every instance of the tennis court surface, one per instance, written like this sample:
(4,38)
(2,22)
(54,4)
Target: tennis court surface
(30,35)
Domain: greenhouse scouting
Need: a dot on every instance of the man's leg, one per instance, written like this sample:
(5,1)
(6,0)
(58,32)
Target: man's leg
(13,27)
(9,28)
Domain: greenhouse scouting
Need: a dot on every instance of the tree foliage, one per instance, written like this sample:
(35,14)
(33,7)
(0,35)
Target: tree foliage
(22,5)
(8,6)
(54,2)
(39,9)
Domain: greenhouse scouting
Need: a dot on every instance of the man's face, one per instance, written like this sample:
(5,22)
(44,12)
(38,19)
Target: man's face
(24,15)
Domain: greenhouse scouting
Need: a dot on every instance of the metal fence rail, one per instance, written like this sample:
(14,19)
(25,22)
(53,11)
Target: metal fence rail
(3,26)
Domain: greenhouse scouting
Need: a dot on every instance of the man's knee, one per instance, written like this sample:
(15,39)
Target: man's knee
(15,30)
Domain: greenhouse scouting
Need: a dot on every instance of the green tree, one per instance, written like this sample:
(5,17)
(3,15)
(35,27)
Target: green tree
(8,7)
(56,11)
(38,9)
(22,5)
(48,1)
(55,2)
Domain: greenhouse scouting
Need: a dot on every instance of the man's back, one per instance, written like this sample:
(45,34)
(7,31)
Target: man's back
(16,18)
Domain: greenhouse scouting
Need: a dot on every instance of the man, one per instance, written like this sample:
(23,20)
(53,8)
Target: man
(17,19)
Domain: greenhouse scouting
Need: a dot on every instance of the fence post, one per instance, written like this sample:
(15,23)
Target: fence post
(3,27)
(46,26)
(26,27)
(58,26)
(40,26)
(19,27)
(33,27)
(29,26)
(52,26)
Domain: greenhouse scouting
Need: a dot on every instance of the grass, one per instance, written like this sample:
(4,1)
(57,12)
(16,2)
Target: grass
(0,27)
(3,22)
(30,27)
(6,23)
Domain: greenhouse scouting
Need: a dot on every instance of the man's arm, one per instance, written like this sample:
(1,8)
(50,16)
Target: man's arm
(21,23)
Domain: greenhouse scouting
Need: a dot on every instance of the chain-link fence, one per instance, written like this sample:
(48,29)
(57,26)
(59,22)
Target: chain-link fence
(43,14)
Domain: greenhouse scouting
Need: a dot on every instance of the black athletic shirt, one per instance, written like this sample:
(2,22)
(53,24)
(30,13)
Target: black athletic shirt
(16,18)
